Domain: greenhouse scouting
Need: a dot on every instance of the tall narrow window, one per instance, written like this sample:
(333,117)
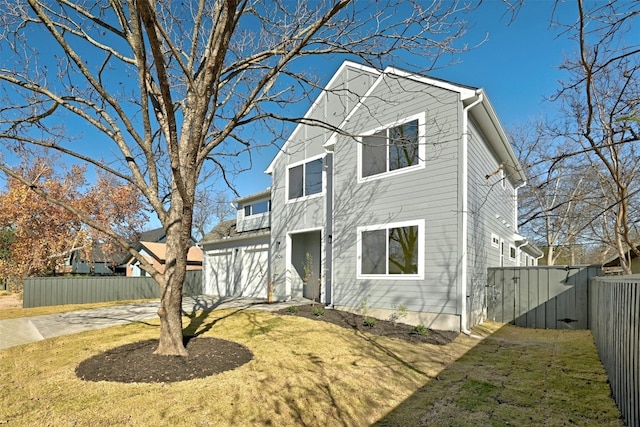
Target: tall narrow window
(391,149)
(305,179)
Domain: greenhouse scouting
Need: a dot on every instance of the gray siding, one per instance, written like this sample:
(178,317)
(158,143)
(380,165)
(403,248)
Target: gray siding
(491,210)
(306,142)
(429,193)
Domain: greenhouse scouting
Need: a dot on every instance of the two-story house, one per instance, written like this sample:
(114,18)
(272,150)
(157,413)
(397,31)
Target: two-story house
(402,198)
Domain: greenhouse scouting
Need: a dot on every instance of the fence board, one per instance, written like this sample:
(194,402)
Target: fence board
(540,297)
(614,306)
(46,291)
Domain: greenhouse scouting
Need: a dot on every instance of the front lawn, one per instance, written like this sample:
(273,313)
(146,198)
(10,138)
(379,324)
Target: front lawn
(309,372)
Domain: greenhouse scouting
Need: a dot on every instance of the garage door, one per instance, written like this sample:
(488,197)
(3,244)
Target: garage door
(219,273)
(255,271)
(242,271)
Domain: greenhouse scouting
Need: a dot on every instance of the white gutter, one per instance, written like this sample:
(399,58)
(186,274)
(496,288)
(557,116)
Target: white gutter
(465,207)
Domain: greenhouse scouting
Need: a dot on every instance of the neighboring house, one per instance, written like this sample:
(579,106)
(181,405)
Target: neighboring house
(237,261)
(93,262)
(613,267)
(158,235)
(156,253)
(405,203)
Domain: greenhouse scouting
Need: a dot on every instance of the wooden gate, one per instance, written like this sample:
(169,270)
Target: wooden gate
(555,297)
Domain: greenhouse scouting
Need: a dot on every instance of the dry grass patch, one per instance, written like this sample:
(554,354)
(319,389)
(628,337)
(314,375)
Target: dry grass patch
(306,372)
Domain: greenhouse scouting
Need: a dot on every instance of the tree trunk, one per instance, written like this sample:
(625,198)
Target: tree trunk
(550,253)
(170,311)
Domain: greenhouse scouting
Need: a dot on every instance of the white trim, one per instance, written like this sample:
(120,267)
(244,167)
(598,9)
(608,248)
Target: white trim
(304,162)
(514,250)
(422,123)
(465,92)
(288,256)
(420,223)
(325,90)
(251,205)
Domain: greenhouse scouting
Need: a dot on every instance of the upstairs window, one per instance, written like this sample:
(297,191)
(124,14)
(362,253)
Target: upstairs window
(391,149)
(257,208)
(305,179)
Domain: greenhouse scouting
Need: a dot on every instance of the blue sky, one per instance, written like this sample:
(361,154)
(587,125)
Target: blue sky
(518,66)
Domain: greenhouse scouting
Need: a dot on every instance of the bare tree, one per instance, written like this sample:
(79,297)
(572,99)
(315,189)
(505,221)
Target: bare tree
(557,204)
(600,103)
(169,89)
(211,207)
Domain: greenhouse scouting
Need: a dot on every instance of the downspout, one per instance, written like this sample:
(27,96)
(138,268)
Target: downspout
(519,249)
(465,207)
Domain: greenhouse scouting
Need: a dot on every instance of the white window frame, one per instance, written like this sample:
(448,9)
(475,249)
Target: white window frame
(421,250)
(495,240)
(303,162)
(422,119)
(514,250)
(250,206)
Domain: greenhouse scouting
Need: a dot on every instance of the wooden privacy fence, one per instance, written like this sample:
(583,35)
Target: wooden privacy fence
(615,325)
(555,297)
(46,291)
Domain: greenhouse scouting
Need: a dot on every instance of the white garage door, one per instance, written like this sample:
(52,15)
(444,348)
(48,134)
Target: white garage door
(219,273)
(242,271)
(255,271)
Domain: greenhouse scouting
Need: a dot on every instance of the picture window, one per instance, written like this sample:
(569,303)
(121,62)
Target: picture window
(391,250)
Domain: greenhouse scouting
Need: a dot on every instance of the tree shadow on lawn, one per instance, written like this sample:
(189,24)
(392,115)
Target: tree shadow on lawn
(135,362)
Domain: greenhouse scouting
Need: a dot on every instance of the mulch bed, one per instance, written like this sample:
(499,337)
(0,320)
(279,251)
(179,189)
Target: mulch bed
(136,363)
(383,328)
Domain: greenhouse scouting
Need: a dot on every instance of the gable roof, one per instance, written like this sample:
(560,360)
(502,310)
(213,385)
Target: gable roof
(158,235)
(226,231)
(155,235)
(254,196)
(484,113)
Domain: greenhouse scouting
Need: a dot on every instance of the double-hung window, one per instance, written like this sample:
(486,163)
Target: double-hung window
(391,250)
(305,179)
(394,148)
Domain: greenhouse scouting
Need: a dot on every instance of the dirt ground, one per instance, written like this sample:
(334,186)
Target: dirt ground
(10,301)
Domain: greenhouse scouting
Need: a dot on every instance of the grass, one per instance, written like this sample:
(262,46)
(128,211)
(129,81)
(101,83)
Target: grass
(524,377)
(307,372)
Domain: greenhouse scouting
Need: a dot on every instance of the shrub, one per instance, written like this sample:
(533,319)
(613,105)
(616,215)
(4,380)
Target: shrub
(399,312)
(292,309)
(369,322)
(318,310)
(420,330)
